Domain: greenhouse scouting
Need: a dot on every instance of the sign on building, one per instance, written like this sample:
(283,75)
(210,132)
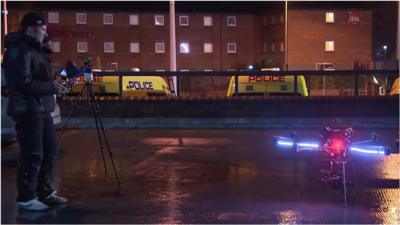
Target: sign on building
(353,18)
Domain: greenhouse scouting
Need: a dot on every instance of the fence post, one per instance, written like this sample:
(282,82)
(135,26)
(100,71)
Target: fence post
(120,85)
(236,85)
(356,84)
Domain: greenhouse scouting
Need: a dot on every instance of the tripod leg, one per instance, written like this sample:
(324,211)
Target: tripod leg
(91,103)
(353,172)
(344,183)
(74,105)
(96,109)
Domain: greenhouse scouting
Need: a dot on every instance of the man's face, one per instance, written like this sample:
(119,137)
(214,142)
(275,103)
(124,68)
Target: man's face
(39,33)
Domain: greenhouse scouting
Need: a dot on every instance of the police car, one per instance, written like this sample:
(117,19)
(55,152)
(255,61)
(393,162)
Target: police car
(267,86)
(132,86)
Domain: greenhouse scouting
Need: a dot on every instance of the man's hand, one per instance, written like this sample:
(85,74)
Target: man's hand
(60,88)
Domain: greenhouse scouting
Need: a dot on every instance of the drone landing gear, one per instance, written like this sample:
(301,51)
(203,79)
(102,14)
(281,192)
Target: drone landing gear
(335,175)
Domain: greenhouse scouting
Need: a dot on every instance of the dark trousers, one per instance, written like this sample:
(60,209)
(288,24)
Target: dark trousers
(39,150)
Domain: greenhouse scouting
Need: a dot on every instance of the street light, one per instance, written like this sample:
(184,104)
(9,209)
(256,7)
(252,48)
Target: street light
(384,49)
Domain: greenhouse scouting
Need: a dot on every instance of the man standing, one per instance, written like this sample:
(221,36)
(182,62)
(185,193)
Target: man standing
(31,100)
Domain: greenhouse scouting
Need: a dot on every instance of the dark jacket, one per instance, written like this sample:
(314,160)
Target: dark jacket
(28,75)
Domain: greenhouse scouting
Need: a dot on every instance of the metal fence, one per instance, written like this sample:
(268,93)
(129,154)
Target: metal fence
(352,82)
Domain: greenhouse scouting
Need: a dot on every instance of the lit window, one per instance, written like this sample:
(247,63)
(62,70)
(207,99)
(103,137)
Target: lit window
(133,19)
(330,17)
(184,20)
(207,21)
(231,47)
(282,46)
(208,48)
(55,46)
(272,46)
(159,20)
(160,47)
(329,46)
(184,70)
(81,18)
(134,47)
(231,21)
(81,47)
(184,47)
(109,47)
(53,17)
(108,19)
(265,47)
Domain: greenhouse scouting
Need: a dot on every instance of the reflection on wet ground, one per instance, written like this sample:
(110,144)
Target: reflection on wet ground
(202,176)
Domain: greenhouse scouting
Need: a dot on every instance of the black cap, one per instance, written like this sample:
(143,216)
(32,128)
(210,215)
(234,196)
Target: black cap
(32,19)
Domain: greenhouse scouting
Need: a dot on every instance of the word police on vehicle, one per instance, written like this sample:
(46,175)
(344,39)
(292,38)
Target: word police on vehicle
(137,85)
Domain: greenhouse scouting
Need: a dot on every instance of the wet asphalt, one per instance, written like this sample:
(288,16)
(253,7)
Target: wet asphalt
(208,176)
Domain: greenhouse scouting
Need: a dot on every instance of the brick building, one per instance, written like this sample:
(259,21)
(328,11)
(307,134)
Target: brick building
(122,39)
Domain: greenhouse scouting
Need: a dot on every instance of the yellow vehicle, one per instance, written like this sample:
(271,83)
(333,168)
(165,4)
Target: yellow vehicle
(267,85)
(133,86)
(395,88)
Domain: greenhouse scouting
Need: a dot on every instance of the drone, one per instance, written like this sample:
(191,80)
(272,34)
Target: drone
(335,146)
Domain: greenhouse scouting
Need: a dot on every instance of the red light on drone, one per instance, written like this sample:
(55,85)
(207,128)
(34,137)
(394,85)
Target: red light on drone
(336,146)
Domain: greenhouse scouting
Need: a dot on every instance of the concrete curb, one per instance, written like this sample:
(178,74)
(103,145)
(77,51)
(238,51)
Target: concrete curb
(233,123)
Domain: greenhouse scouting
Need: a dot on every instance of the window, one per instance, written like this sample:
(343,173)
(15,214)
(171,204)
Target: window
(55,46)
(329,46)
(272,46)
(81,18)
(108,19)
(231,47)
(184,20)
(208,48)
(134,47)
(282,46)
(207,21)
(160,47)
(53,17)
(231,21)
(329,17)
(81,47)
(109,47)
(159,20)
(282,18)
(265,20)
(133,19)
(265,47)
(184,47)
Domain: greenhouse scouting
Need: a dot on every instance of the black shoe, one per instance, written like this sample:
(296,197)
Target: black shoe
(54,199)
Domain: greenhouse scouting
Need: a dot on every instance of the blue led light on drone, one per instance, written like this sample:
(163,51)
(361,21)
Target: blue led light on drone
(380,150)
(285,143)
(310,145)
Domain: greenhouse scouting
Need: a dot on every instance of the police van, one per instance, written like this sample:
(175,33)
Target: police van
(132,86)
(267,85)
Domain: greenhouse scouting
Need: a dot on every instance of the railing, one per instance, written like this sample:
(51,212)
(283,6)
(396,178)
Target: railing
(356,74)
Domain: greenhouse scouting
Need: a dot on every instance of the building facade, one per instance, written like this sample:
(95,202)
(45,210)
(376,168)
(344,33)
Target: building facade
(126,40)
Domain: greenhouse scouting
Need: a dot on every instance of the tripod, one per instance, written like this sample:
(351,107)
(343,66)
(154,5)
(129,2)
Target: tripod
(101,133)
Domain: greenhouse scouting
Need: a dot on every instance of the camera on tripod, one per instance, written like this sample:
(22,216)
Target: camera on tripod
(70,72)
